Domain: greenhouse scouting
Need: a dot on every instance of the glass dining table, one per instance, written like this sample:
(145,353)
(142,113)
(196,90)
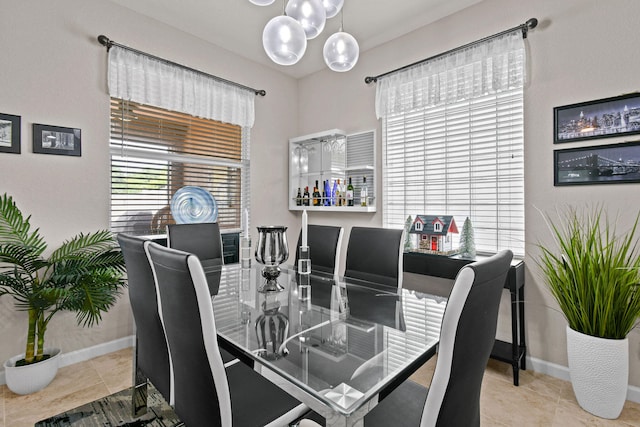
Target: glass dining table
(339,345)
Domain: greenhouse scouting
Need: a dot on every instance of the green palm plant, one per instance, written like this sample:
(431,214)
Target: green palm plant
(594,273)
(84,275)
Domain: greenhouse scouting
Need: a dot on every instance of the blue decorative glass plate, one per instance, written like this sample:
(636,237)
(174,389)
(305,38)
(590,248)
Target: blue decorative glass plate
(193,204)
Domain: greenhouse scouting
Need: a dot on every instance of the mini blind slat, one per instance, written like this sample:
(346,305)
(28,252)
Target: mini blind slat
(155,152)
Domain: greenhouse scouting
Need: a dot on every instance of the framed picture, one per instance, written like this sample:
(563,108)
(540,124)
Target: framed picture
(602,164)
(9,133)
(56,140)
(603,118)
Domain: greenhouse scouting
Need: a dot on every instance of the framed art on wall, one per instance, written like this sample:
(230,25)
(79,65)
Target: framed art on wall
(56,140)
(602,164)
(9,133)
(602,118)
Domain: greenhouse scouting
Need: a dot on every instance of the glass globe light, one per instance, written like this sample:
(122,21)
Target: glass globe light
(284,40)
(341,51)
(262,2)
(332,7)
(310,14)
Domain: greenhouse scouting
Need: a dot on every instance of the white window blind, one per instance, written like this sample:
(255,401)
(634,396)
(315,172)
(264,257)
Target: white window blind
(460,153)
(155,152)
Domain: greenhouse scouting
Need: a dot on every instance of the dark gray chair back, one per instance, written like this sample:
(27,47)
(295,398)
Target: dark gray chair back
(151,346)
(201,391)
(466,340)
(324,243)
(375,254)
(201,239)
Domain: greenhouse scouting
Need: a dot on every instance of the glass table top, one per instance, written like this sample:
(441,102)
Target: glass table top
(340,340)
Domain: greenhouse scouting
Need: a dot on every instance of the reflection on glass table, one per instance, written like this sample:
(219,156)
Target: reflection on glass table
(338,349)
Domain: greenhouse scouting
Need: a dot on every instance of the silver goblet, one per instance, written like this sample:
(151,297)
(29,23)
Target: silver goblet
(271,250)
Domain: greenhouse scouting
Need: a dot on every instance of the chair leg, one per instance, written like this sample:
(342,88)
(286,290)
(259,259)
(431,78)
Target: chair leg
(139,390)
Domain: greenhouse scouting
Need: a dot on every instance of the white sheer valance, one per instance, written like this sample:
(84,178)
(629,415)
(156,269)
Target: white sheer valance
(136,77)
(482,69)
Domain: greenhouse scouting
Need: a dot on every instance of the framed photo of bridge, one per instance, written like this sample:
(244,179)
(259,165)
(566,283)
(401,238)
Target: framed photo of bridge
(601,164)
(602,118)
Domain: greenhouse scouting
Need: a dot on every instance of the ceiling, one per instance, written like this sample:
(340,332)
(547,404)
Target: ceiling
(237,25)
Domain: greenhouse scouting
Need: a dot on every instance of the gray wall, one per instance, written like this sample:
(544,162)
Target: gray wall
(582,50)
(54,72)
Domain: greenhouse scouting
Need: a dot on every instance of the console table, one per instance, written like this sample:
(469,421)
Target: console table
(513,352)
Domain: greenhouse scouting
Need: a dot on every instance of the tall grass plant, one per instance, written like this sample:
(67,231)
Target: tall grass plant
(593,272)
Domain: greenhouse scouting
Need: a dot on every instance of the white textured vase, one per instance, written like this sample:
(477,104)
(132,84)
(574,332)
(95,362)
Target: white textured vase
(599,370)
(31,378)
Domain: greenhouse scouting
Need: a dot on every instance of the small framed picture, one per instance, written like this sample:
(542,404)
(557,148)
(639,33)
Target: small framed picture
(9,133)
(601,164)
(602,118)
(56,140)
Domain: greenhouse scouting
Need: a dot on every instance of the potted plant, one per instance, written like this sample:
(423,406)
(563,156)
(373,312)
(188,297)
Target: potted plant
(594,275)
(84,275)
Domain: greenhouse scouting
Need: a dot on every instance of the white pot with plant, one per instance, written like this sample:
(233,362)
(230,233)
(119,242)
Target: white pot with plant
(84,275)
(594,275)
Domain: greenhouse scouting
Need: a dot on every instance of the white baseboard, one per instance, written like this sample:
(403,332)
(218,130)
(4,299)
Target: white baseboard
(83,354)
(562,372)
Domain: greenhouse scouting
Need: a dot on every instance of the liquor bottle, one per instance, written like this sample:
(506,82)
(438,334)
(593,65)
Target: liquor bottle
(350,193)
(363,192)
(326,194)
(316,195)
(305,197)
(334,194)
(299,198)
(338,194)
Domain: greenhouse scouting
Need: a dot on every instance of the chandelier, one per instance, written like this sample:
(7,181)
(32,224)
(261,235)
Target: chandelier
(285,37)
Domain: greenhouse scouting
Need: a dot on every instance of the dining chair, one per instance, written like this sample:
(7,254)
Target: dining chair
(324,243)
(151,350)
(201,239)
(205,393)
(204,241)
(375,255)
(467,336)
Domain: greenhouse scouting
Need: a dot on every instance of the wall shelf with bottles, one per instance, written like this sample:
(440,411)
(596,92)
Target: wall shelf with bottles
(334,158)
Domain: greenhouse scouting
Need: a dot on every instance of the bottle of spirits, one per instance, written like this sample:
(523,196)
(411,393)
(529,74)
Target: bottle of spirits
(363,192)
(305,196)
(326,194)
(299,198)
(334,194)
(350,193)
(316,195)
(338,194)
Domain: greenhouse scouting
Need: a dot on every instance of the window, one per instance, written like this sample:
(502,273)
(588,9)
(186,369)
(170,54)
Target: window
(453,143)
(418,226)
(437,227)
(155,152)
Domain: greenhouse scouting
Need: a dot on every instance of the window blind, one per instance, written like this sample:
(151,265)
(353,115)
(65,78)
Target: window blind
(155,152)
(463,159)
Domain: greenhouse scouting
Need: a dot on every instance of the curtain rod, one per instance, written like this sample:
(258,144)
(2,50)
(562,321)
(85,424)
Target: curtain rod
(108,43)
(530,24)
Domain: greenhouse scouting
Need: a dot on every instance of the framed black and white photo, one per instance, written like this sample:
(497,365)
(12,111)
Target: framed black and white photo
(602,118)
(602,164)
(56,140)
(9,133)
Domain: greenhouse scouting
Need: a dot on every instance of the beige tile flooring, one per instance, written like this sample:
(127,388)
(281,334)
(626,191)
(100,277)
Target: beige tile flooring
(540,400)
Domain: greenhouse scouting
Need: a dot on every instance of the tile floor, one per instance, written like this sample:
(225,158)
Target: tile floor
(540,400)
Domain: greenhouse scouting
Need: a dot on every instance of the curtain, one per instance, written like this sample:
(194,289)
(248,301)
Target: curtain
(483,69)
(140,78)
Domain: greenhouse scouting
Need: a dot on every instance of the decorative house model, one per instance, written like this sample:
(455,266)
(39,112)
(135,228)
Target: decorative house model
(434,233)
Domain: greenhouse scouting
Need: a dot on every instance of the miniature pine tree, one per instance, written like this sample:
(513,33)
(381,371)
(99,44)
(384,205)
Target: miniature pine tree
(407,236)
(467,245)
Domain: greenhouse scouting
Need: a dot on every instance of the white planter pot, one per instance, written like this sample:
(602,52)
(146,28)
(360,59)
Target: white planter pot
(31,378)
(599,370)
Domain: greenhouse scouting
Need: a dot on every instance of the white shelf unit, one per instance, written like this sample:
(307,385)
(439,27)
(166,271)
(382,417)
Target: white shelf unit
(332,155)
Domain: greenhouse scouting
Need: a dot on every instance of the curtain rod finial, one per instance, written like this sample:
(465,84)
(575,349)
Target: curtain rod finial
(104,40)
(531,23)
(261,92)
(369,80)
